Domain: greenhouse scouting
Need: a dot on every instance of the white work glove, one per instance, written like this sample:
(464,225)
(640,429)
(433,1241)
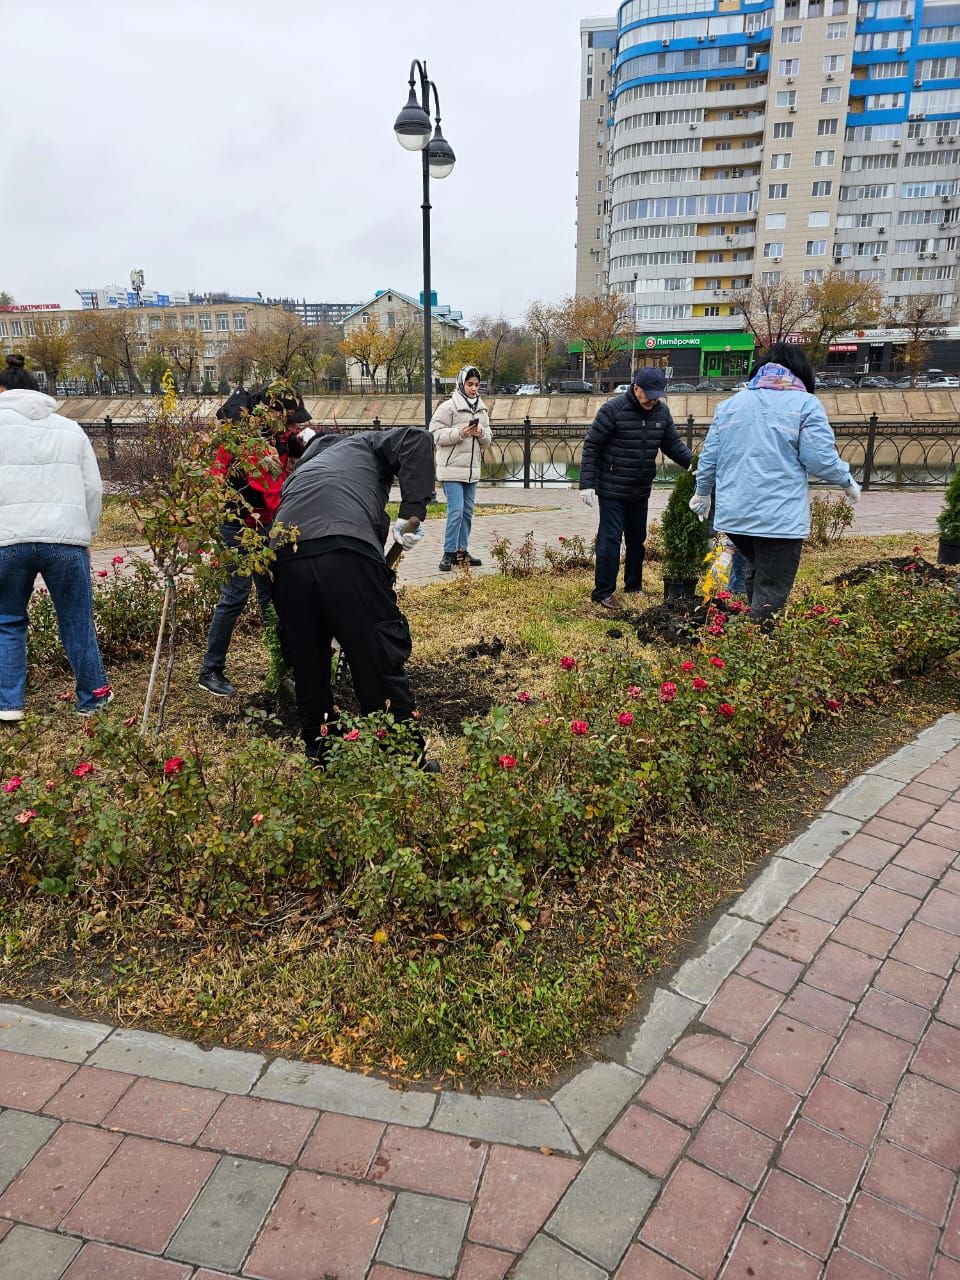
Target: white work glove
(307,434)
(407,540)
(589,496)
(852,491)
(700,505)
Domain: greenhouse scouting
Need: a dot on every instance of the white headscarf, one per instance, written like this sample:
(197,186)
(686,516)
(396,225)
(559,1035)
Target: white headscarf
(468,371)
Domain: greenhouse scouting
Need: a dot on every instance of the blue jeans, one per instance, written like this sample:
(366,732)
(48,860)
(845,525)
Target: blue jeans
(620,521)
(737,582)
(460,500)
(233,596)
(66,572)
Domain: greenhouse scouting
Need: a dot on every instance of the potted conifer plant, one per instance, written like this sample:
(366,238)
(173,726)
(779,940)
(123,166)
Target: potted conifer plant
(948,522)
(685,542)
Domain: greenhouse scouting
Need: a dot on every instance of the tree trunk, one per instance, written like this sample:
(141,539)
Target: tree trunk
(168,592)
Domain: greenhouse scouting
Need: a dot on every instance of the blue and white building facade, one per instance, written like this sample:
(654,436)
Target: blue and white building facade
(765,140)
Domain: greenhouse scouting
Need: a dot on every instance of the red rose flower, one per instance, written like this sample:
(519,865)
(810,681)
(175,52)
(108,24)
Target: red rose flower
(507,762)
(352,736)
(83,769)
(633,691)
(717,662)
(699,683)
(102,573)
(568,664)
(117,560)
(725,709)
(832,704)
(724,595)
(380,734)
(12,784)
(668,691)
(686,666)
(523,696)
(561,538)
(917,549)
(103,692)
(173,765)
(579,728)
(834,622)
(625,718)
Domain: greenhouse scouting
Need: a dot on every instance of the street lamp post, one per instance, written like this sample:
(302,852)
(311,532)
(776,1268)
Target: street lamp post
(633,349)
(413,131)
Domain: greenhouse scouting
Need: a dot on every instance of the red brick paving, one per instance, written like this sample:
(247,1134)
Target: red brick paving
(805,1127)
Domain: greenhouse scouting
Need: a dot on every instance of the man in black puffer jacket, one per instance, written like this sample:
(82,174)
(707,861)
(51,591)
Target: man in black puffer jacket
(618,467)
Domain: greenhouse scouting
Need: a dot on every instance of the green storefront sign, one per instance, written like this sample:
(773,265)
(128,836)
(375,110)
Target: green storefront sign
(721,354)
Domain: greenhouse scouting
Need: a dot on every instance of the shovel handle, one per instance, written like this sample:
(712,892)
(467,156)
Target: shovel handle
(410,525)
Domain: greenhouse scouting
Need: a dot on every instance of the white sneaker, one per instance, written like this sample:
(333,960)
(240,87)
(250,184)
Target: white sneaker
(13,714)
(92,711)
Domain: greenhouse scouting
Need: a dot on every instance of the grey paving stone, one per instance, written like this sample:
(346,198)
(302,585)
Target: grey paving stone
(864,797)
(602,1209)
(727,943)
(945,732)
(821,840)
(519,1122)
(424,1234)
(47,1036)
(592,1100)
(772,889)
(666,1020)
(330,1089)
(27,1253)
(226,1216)
(144,1053)
(905,764)
(547,1260)
(21,1137)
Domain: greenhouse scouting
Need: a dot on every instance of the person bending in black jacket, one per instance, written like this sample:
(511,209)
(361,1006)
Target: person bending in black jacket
(618,468)
(334,581)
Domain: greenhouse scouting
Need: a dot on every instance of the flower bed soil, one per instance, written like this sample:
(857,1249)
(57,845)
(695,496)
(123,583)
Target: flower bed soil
(904,564)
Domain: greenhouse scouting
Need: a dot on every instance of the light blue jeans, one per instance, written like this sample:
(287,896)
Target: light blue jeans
(66,572)
(460,500)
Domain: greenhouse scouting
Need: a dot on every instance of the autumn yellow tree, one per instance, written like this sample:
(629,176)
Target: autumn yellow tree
(112,343)
(457,355)
(50,348)
(596,324)
(369,346)
(837,306)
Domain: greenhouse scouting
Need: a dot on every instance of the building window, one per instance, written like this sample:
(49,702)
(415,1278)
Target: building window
(830,93)
(769,277)
(188,322)
(824,159)
(783,130)
(206,324)
(714,257)
(826,128)
(32,328)
(3,328)
(816,248)
(711,311)
(786,97)
(16,329)
(791,35)
(818,218)
(822,188)
(598,237)
(788,67)
(778,190)
(223,322)
(155,323)
(775,221)
(836,31)
(170,321)
(239,321)
(780,160)
(815,9)
(814,275)
(834,62)
(773,249)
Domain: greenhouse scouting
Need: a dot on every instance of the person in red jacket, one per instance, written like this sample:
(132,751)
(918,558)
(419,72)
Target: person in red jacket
(257,482)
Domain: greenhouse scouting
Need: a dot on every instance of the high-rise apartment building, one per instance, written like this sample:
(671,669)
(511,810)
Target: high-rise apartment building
(762,141)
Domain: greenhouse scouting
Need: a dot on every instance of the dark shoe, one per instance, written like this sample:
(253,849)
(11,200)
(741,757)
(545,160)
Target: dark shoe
(611,604)
(447,562)
(430,766)
(216,682)
(464,557)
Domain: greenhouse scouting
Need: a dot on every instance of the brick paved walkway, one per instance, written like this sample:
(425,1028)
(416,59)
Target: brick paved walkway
(880,511)
(787,1108)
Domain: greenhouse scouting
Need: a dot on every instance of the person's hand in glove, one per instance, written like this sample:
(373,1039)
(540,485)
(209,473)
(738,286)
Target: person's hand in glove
(700,505)
(407,538)
(852,491)
(589,496)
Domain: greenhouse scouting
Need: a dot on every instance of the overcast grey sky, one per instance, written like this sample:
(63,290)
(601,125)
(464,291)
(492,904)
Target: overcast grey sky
(248,145)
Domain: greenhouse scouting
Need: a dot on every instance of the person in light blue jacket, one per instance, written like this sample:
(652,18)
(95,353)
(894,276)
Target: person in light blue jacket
(762,445)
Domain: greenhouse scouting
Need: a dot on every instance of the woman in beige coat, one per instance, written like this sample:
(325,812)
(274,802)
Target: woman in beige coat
(461,431)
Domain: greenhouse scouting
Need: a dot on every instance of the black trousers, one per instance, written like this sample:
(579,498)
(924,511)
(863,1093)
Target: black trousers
(349,596)
(772,565)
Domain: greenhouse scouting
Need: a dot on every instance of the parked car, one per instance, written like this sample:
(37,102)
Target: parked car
(948,380)
(680,388)
(571,388)
(528,389)
(921,380)
(622,388)
(836,384)
(875,380)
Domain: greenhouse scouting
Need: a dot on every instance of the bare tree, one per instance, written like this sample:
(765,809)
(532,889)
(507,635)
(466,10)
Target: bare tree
(921,317)
(837,305)
(597,324)
(772,310)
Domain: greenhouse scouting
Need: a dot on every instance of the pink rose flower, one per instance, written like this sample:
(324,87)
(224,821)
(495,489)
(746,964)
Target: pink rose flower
(633,691)
(699,683)
(717,662)
(668,691)
(50,784)
(507,762)
(832,704)
(523,697)
(102,573)
(83,769)
(579,728)
(117,560)
(625,718)
(173,765)
(352,735)
(25,816)
(568,664)
(12,784)
(257,819)
(686,666)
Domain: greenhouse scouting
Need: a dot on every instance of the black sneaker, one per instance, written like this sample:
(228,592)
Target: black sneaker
(464,557)
(447,562)
(216,682)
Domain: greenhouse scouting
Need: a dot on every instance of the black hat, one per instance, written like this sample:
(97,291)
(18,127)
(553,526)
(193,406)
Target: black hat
(652,382)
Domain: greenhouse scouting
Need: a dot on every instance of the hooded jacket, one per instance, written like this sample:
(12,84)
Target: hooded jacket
(50,486)
(341,486)
(620,450)
(763,444)
(459,456)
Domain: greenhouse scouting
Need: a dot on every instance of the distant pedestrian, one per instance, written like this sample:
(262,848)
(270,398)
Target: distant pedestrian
(461,431)
(618,468)
(762,446)
(50,500)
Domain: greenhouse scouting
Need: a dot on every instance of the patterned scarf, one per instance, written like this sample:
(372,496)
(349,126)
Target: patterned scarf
(775,377)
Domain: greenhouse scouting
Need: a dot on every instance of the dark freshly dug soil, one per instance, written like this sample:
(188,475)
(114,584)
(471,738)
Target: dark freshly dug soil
(673,622)
(898,564)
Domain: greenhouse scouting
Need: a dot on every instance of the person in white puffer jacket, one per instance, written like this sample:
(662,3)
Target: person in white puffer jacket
(50,499)
(461,431)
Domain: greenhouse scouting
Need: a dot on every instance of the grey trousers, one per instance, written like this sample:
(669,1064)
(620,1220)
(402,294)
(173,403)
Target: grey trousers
(772,565)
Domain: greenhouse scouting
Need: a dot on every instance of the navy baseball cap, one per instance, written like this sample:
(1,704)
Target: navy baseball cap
(652,382)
